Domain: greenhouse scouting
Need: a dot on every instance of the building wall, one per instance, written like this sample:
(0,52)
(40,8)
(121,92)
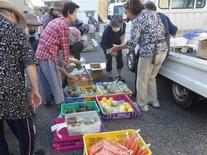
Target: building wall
(23,5)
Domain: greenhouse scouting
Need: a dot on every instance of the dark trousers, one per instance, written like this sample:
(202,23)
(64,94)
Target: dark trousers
(24,132)
(119,62)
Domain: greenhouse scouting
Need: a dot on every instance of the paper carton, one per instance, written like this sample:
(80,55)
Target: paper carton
(202,46)
(96,69)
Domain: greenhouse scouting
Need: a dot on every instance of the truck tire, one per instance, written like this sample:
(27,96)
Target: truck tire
(131,60)
(183,97)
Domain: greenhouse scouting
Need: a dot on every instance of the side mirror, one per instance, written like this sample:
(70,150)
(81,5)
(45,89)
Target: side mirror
(109,17)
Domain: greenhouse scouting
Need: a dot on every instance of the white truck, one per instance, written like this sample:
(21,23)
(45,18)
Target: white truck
(187,73)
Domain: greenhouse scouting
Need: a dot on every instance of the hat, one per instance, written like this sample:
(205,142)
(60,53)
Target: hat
(90,15)
(4,4)
(32,19)
(57,5)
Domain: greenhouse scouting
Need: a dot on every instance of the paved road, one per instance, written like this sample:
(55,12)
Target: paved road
(169,130)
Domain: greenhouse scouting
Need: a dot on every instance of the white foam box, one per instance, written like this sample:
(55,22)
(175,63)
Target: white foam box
(82,123)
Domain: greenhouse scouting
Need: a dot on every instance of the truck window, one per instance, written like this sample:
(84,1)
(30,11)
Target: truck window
(119,10)
(181,4)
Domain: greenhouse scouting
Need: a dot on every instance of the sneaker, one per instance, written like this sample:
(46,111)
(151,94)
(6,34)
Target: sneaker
(119,78)
(154,104)
(110,79)
(39,152)
(144,108)
(48,103)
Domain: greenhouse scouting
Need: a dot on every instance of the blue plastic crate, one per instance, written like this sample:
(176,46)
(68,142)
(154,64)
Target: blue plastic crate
(74,99)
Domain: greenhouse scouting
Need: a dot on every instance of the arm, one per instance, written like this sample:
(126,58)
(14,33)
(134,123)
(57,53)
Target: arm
(77,62)
(64,72)
(132,42)
(172,28)
(45,19)
(34,95)
(104,39)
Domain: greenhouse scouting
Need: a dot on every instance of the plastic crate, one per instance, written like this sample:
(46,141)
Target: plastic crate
(90,139)
(67,142)
(118,115)
(100,84)
(74,99)
(75,106)
(90,98)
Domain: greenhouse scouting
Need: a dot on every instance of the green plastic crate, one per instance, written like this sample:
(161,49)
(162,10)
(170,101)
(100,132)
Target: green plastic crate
(75,106)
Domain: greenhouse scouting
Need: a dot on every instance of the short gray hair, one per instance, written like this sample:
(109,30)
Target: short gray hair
(116,20)
(149,5)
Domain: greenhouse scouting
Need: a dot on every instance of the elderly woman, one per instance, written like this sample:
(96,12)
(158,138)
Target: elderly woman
(32,24)
(53,38)
(149,33)
(114,34)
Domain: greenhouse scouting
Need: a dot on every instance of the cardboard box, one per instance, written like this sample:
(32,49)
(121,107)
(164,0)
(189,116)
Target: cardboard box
(96,69)
(182,49)
(86,80)
(202,46)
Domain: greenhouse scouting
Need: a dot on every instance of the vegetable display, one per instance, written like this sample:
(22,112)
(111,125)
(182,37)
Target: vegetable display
(130,145)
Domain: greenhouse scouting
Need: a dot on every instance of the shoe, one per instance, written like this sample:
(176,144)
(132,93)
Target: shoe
(49,103)
(155,104)
(110,79)
(119,78)
(39,152)
(144,108)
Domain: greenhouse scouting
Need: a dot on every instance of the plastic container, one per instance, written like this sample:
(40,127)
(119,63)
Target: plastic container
(118,115)
(74,99)
(75,106)
(82,123)
(90,139)
(118,84)
(67,142)
(90,97)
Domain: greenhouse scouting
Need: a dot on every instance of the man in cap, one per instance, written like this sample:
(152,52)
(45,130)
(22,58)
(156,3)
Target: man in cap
(91,20)
(55,12)
(16,55)
(32,24)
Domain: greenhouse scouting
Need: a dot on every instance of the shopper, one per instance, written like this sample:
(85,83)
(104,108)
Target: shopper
(171,30)
(55,12)
(148,31)
(16,55)
(54,37)
(91,20)
(31,29)
(39,16)
(114,34)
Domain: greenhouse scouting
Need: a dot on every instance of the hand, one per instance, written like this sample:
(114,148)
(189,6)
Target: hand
(113,49)
(35,98)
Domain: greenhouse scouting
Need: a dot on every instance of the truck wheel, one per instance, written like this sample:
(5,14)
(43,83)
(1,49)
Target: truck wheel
(183,97)
(131,60)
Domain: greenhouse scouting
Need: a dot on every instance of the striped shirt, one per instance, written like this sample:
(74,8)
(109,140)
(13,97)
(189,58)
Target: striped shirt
(53,38)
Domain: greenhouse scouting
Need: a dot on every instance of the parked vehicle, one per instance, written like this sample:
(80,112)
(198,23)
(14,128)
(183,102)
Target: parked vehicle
(187,73)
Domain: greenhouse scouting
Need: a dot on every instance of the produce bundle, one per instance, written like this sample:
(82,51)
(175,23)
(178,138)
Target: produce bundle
(111,105)
(114,87)
(76,91)
(130,145)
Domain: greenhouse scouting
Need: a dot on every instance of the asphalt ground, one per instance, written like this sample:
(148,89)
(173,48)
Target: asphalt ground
(169,129)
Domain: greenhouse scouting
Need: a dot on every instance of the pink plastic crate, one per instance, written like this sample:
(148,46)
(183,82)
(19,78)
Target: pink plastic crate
(118,115)
(67,142)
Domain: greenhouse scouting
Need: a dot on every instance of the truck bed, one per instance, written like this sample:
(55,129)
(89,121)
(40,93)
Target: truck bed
(186,70)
